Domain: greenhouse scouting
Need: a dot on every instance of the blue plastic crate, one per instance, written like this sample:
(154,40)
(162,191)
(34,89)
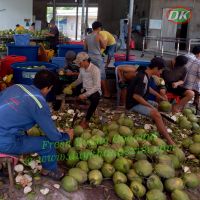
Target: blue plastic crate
(22,39)
(60,61)
(26,76)
(31,52)
(63,48)
(135,62)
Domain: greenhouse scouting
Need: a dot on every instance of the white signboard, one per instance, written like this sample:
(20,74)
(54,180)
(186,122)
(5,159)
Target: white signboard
(155,24)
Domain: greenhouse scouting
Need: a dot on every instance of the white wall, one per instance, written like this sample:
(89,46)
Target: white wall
(15,13)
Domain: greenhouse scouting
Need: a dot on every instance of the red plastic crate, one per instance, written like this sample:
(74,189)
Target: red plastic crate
(5,65)
(171,96)
(122,57)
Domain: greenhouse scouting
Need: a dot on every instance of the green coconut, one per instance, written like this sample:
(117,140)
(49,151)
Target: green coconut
(185,124)
(99,140)
(140,131)
(187,111)
(68,91)
(143,168)
(72,157)
(95,162)
(182,118)
(138,189)
(83,165)
(78,130)
(155,194)
(133,176)
(79,174)
(34,131)
(113,126)
(80,143)
(196,138)
(119,177)
(118,149)
(179,195)
(195,148)
(195,126)
(118,139)
(164,171)
(154,182)
(144,143)
(165,159)
(179,153)
(158,142)
(123,191)
(98,132)
(86,135)
(154,151)
(128,122)
(172,184)
(131,141)
(121,164)
(175,161)
(140,156)
(85,154)
(69,184)
(107,170)
(95,177)
(191,180)
(192,118)
(125,131)
(129,152)
(109,155)
(165,106)
(64,147)
(186,142)
(111,135)
(91,144)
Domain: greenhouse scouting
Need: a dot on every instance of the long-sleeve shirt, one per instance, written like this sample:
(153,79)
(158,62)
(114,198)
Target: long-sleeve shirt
(91,79)
(19,112)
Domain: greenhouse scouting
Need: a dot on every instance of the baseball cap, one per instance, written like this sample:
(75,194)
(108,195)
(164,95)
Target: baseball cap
(70,55)
(157,62)
(81,57)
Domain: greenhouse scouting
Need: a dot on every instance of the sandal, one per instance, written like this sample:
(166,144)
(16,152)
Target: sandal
(55,175)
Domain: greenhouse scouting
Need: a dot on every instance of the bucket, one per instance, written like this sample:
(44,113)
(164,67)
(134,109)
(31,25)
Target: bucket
(22,39)
(31,52)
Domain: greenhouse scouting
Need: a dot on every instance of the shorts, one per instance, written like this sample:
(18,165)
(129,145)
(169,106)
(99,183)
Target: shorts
(101,66)
(143,110)
(110,50)
(179,91)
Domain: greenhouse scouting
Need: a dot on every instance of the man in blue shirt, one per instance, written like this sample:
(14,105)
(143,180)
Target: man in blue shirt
(23,106)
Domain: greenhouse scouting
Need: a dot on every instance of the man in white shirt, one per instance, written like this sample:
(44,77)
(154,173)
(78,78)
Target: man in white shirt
(90,78)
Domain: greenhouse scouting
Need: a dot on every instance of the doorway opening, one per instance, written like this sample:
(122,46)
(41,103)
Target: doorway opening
(181,32)
(66,19)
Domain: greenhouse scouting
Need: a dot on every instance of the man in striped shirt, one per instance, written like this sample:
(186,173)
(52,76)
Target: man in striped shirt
(90,78)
